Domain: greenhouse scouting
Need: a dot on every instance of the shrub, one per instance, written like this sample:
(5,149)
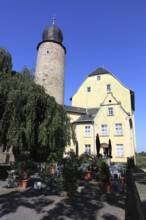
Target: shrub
(103,170)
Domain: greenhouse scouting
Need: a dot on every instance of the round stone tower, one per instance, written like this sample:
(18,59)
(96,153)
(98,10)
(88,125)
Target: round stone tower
(50,63)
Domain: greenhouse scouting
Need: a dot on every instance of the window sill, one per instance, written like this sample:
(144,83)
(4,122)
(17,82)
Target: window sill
(104,135)
(118,135)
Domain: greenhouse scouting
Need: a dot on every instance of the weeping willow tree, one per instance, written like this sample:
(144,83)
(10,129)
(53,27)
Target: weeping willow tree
(30,120)
(5,61)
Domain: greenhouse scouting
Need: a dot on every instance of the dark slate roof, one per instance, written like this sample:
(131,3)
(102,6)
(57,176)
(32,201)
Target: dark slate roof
(99,71)
(89,116)
(73,109)
(132,100)
(53,33)
(86,115)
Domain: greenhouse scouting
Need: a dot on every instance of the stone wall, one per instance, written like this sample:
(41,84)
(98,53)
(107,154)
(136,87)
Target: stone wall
(139,184)
(50,69)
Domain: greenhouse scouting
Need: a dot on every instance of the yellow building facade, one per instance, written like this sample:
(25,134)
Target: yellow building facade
(103,105)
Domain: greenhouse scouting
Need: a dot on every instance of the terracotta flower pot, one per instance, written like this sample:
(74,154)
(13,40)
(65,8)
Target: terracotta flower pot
(52,170)
(87,175)
(23,184)
(108,187)
(24,180)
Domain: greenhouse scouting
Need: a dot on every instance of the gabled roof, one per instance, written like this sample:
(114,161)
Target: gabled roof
(99,71)
(112,96)
(116,102)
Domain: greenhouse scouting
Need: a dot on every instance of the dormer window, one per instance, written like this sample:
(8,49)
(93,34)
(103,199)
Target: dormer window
(108,87)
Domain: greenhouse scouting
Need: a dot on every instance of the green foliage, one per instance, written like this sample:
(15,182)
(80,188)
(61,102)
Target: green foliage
(70,168)
(52,159)
(5,61)
(24,164)
(103,169)
(85,158)
(31,120)
(141,159)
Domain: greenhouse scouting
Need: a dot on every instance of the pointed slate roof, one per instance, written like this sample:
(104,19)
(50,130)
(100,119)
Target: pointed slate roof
(99,71)
(52,33)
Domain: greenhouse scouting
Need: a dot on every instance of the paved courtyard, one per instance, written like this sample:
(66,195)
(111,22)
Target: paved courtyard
(53,203)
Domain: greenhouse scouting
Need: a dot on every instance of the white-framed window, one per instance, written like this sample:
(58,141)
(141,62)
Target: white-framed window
(108,87)
(110,111)
(118,129)
(87,130)
(98,78)
(104,129)
(89,89)
(88,149)
(119,150)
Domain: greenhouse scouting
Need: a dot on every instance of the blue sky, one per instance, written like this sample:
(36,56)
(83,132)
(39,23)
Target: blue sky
(107,33)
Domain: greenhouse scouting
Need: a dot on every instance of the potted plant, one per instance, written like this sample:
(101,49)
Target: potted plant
(85,160)
(70,176)
(104,174)
(70,172)
(22,166)
(52,162)
(24,179)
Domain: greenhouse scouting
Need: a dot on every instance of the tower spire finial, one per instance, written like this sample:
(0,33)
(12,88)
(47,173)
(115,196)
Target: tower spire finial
(54,19)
